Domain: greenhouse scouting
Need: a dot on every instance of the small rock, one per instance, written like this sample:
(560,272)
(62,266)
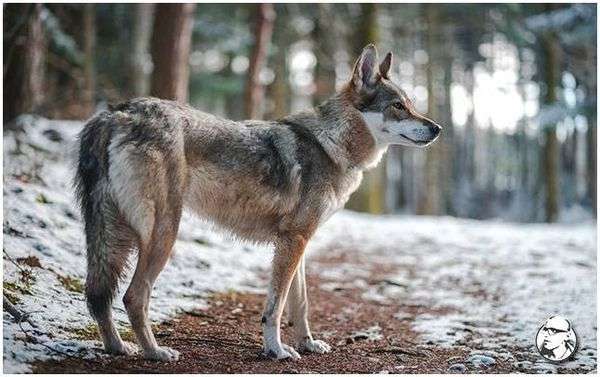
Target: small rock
(457,368)
(480,361)
(373,333)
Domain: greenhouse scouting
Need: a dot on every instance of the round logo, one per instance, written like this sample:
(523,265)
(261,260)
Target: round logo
(556,340)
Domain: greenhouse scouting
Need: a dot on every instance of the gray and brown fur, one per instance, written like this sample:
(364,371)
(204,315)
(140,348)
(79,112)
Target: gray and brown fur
(143,161)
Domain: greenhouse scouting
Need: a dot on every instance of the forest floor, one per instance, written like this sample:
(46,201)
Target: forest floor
(398,294)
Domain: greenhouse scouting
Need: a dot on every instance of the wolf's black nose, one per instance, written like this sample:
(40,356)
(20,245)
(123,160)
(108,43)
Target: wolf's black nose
(434,128)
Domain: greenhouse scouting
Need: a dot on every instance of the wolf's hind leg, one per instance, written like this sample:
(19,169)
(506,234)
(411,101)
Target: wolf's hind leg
(152,258)
(104,271)
(298,314)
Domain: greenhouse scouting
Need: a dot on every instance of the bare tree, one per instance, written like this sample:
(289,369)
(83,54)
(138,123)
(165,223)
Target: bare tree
(430,197)
(142,28)
(253,98)
(24,60)
(89,46)
(324,37)
(171,43)
(550,152)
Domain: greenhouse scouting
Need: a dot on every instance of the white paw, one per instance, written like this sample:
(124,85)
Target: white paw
(316,346)
(121,348)
(162,354)
(285,352)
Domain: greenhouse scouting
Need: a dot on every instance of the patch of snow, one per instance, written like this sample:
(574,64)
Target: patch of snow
(498,282)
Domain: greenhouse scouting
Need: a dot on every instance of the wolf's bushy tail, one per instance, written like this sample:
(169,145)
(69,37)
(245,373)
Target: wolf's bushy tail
(99,213)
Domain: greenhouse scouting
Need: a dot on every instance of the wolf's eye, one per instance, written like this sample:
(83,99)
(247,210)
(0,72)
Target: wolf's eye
(398,105)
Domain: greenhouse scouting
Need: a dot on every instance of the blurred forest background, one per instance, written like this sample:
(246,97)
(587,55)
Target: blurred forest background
(514,86)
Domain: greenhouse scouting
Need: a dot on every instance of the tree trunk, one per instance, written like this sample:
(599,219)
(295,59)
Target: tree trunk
(254,94)
(89,46)
(592,158)
(171,43)
(324,41)
(447,170)
(279,90)
(367,29)
(550,153)
(430,200)
(24,60)
(142,27)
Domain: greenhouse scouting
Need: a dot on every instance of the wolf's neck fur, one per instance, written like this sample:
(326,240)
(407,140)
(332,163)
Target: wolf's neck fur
(343,133)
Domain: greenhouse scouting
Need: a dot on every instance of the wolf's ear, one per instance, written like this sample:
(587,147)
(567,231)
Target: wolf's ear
(385,65)
(365,67)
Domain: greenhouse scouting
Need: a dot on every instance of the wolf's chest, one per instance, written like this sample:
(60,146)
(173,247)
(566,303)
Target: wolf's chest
(340,195)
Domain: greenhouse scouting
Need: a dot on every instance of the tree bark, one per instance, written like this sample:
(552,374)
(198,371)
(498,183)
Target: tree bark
(324,41)
(24,60)
(171,43)
(89,45)
(367,29)
(592,158)
(430,196)
(279,91)
(254,94)
(550,153)
(142,28)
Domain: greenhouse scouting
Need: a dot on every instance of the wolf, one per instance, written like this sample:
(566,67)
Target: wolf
(145,160)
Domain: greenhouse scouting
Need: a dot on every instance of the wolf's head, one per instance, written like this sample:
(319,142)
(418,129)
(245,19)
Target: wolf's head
(385,108)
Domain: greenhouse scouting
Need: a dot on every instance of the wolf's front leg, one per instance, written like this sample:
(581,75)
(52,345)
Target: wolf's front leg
(298,314)
(288,253)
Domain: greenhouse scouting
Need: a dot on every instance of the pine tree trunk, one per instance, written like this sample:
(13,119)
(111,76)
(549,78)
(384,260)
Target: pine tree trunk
(253,101)
(142,28)
(89,45)
(592,158)
(430,200)
(550,153)
(24,61)
(446,170)
(171,43)
(280,90)
(324,41)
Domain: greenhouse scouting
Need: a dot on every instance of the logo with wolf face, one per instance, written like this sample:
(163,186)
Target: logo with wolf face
(556,340)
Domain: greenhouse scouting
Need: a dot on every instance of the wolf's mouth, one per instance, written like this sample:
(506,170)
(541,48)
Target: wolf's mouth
(418,142)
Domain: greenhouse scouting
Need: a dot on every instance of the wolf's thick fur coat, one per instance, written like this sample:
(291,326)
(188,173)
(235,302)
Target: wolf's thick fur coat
(143,161)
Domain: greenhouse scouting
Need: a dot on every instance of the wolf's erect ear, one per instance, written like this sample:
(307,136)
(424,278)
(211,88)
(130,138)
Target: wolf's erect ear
(365,67)
(385,65)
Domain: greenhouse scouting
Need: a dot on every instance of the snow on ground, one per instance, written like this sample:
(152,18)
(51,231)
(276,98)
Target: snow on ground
(496,281)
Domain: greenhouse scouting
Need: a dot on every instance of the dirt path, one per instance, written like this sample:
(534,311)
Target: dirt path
(367,336)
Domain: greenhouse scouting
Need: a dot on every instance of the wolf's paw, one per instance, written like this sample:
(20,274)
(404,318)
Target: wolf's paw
(285,352)
(315,346)
(162,354)
(121,348)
